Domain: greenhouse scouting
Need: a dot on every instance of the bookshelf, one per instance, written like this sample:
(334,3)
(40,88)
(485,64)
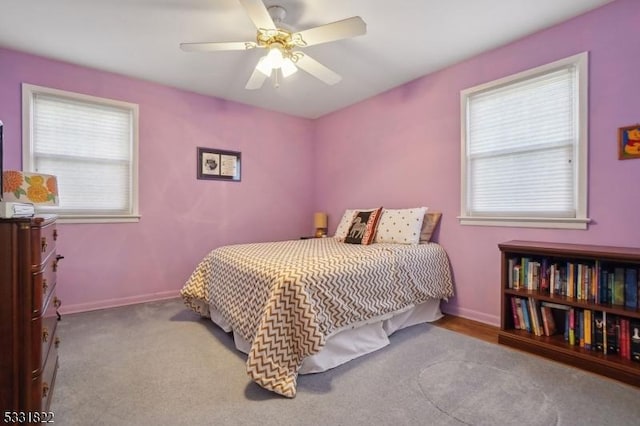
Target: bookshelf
(576,287)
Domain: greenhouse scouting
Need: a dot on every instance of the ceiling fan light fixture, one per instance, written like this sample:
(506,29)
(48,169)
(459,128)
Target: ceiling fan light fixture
(288,67)
(275,58)
(264,67)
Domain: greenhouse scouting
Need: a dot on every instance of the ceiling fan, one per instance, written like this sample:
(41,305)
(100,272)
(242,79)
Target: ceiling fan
(281,43)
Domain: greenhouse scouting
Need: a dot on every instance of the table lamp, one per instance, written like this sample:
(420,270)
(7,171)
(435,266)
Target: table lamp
(320,223)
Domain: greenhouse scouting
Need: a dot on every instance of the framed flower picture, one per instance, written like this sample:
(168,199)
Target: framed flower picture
(218,164)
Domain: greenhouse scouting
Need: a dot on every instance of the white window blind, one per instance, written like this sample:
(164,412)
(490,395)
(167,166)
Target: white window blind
(522,149)
(89,144)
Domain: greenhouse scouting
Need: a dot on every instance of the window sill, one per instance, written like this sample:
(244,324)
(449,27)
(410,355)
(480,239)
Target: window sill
(526,222)
(99,219)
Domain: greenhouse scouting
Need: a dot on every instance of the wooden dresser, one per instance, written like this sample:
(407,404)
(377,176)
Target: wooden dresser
(28,314)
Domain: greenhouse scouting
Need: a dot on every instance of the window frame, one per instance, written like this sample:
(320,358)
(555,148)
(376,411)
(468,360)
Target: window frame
(28,93)
(581,220)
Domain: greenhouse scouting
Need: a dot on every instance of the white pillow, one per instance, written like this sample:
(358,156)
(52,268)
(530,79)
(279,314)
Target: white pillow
(400,226)
(345,223)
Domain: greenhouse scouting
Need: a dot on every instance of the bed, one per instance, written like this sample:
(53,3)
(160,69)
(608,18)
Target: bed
(304,306)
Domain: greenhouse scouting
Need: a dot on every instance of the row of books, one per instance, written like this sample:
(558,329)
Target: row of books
(529,315)
(589,329)
(592,282)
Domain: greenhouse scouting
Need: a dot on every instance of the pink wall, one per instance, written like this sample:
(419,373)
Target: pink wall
(182,217)
(402,148)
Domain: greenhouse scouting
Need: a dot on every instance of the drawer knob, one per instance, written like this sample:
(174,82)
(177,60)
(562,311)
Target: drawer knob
(45,389)
(45,334)
(57,342)
(43,244)
(57,302)
(45,286)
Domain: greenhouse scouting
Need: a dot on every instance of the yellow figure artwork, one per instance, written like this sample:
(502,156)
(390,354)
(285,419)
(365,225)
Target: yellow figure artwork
(632,144)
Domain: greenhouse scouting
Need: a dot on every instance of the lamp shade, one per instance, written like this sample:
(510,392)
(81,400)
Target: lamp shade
(26,187)
(320,220)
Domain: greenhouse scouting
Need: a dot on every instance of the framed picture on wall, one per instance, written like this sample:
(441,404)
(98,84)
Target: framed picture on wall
(629,142)
(218,164)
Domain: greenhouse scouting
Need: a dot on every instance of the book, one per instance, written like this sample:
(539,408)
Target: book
(534,269)
(511,263)
(588,292)
(605,344)
(595,282)
(562,280)
(612,334)
(525,314)
(535,308)
(634,330)
(556,305)
(520,313)
(625,341)
(572,327)
(587,329)
(548,321)
(570,280)
(602,294)
(598,334)
(618,286)
(579,281)
(631,288)
(517,277)
(545,320)
(580,329)
(514,313)
(524,271)
(544,276)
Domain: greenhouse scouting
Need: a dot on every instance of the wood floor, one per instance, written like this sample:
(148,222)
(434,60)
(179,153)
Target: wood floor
(469,327)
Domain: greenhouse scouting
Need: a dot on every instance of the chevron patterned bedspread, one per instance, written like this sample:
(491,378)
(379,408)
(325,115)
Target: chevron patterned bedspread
(288,297)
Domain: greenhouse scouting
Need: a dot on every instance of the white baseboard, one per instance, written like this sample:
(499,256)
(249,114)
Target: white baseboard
(471,314)
(113,303)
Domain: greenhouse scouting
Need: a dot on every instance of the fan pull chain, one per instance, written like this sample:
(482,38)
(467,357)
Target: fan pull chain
(276,79)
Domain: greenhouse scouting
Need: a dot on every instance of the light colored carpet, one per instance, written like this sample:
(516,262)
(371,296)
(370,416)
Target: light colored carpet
(160,364)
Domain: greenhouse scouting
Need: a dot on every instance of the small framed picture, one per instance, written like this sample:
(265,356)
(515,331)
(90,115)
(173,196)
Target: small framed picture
(629,142)
(218,164)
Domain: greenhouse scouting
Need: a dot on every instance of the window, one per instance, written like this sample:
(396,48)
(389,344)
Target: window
(524,148)
(91,145)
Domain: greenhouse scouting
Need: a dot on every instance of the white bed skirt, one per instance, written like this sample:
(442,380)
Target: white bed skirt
(354,341)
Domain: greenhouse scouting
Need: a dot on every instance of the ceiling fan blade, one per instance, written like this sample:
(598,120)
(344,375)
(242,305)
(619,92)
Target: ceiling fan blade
(258,14)
(316,69)
(338,30)
(215,46)
(256,80)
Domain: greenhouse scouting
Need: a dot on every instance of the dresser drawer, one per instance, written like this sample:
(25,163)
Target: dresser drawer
(42,384)
(43,242)
(44,339)
(43,282)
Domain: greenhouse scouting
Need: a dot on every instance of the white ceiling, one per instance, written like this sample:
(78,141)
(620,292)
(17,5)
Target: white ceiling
(405,39)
